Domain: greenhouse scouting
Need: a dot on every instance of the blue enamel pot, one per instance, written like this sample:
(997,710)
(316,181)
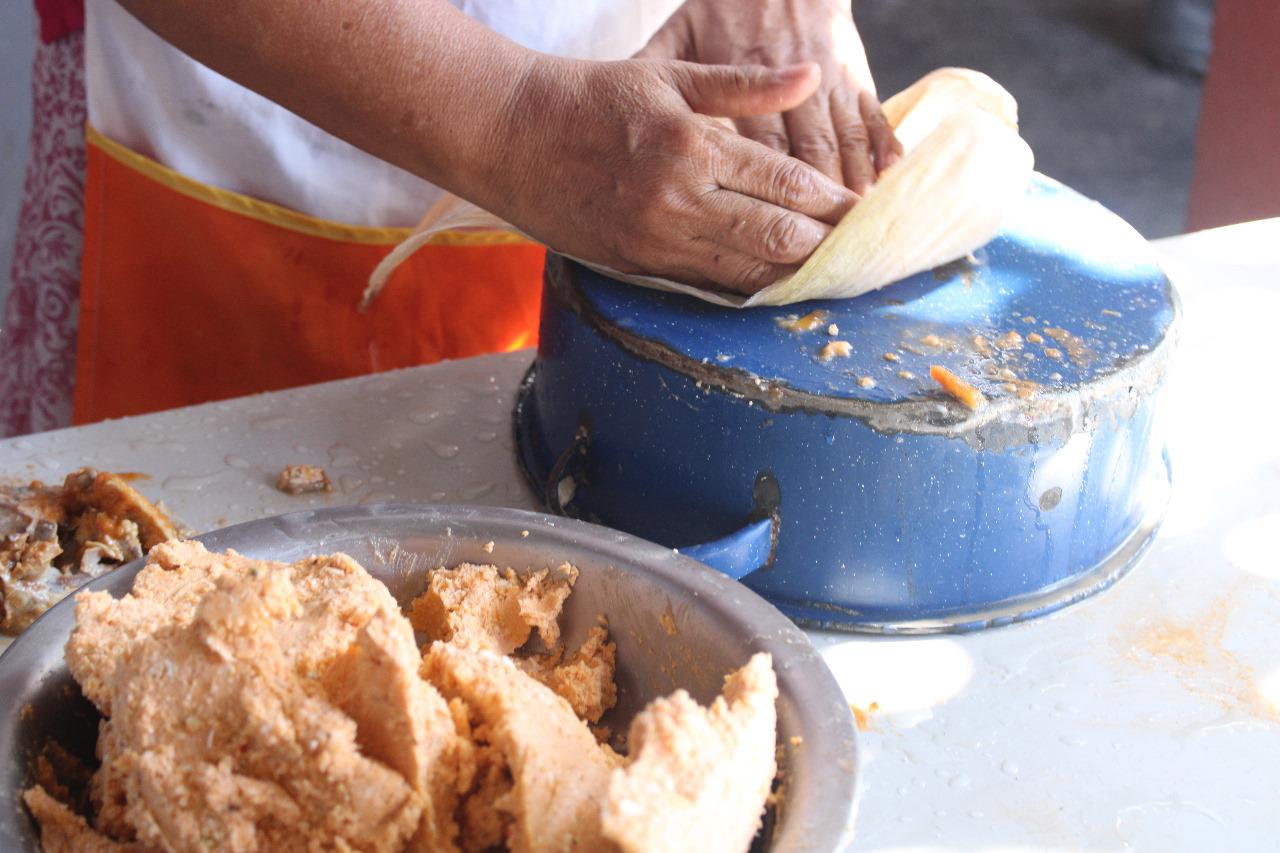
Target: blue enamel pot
(853,491)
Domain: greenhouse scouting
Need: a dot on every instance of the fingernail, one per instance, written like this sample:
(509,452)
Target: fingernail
(795,72)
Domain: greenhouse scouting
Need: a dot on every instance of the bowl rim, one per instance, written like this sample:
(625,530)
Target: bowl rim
(821,787)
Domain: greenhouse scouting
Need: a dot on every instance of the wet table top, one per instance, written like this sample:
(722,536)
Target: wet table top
(1147,717)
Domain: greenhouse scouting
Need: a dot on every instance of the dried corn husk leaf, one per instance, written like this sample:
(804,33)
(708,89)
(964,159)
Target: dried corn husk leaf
(964,169)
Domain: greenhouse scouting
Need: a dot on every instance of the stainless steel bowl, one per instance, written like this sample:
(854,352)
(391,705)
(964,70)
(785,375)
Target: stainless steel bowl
(718,624)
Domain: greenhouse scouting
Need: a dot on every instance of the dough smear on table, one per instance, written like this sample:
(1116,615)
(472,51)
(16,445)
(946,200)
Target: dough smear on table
(257,705)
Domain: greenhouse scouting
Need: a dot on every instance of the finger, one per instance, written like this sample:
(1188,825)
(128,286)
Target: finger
(671,41)
(751,169)
(716,264)
(885,147)
(854,142)
(769,131)
(759,229)
(742,90)
(813,137)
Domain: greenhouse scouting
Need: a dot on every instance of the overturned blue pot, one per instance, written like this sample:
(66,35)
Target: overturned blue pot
(851,490)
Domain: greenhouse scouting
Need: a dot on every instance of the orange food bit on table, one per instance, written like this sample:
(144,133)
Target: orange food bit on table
(969,396)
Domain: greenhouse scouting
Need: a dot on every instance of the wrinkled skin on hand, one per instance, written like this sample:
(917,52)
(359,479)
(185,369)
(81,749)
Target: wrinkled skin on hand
(622,163)
(839,130)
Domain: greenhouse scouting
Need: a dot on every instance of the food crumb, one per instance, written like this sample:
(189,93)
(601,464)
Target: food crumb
(906,374)
(866,382)
(931,340)
(807,323)
(892,356)
(668,621)
(796,740)
(1110,312)
(982,345)
(833,330)
(1035,338)
(487,547)
(28,711)
(524,534)
(968,396)
(862,716)
(1054,353)
(835,349)
(303,479)
(1009,340)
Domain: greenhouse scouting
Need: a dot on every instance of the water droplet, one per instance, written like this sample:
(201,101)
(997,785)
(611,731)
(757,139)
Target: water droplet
(349,483)
(423,416)
(976,815)
(46,462)
(301,448)
(191,482)
(439,496)
(343,455)
(486,436)
(273,422)
(1009,768)
(478,490)
(145,444)
(960,780)
(443,449)
(22,444)
(239,462)
(1072,740)
(377,498)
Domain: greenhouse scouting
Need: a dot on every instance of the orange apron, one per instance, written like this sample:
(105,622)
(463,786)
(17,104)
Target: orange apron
(191,293)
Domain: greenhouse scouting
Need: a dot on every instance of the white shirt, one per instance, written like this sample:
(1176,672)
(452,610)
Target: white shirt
(149,96)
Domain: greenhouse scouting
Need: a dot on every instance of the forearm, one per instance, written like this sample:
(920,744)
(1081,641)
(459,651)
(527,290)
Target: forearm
(414,82)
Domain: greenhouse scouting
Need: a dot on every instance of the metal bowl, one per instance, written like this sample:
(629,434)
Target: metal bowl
(642,588)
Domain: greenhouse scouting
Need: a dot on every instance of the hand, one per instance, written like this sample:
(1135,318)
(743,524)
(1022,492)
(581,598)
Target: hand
(620,163)
(840,130)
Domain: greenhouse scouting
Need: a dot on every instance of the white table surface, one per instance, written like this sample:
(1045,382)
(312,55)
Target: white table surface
(1145,718)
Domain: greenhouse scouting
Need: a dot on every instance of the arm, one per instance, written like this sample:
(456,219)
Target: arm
(608,161)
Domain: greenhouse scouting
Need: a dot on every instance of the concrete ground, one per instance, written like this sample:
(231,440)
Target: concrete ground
(1099,116)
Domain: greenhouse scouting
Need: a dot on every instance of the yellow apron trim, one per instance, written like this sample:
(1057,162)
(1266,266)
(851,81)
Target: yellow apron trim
(283,217)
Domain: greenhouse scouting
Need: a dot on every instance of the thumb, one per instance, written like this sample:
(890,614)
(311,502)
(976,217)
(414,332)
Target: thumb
(733,91)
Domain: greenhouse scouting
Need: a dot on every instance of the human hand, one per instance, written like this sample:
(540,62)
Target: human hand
(621,163)
(840,130)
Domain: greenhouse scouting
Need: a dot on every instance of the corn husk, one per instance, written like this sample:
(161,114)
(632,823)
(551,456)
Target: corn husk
(963,170)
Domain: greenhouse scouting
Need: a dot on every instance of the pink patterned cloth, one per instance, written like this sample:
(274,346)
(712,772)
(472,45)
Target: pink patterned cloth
(38,332)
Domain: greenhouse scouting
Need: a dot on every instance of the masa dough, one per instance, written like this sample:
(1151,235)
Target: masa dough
(257,705)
